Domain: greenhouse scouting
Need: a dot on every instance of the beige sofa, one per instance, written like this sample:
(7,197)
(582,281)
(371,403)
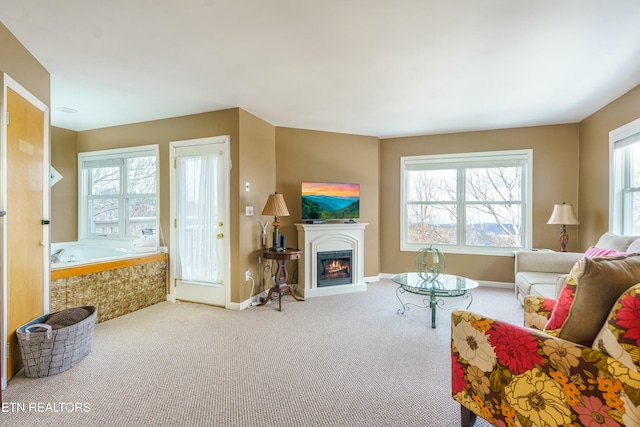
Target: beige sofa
(542,273)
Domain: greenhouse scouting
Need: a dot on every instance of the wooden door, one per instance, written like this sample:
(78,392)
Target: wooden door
(23,226)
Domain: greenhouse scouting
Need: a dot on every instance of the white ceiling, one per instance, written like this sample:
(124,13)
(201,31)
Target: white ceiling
(379,68)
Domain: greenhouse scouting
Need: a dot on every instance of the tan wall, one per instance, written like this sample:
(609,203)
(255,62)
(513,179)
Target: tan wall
(162,132)
(594,163)
(555,180)
(257,167)
(305,155)
(64,194)
(21,66)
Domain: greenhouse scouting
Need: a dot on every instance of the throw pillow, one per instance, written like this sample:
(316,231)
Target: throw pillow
(620,335)
(595,251)
(567,294)
(563,305)
(598,287)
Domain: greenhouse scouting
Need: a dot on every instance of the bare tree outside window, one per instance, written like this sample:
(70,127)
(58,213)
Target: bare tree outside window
(493,209)
(123,195)
(431,207)
(487,201)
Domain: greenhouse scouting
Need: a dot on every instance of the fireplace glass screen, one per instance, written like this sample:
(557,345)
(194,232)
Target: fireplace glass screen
(334,268)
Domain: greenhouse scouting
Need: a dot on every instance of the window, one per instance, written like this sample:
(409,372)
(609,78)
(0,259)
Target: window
(624,170)
(467,203)
(118,193)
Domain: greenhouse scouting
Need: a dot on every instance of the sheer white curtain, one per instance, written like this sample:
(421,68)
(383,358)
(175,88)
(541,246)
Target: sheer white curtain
(198,215)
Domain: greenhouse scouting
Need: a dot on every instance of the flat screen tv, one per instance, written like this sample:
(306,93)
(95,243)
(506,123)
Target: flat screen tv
(330,201)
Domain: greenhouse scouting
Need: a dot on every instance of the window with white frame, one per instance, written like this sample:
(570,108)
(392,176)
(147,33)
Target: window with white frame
(118,193)
(467,203)
(624,180)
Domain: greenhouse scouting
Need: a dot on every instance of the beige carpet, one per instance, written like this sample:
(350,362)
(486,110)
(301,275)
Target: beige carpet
(346,360)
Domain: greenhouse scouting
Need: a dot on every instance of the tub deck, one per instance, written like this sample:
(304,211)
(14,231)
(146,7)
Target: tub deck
(62,272)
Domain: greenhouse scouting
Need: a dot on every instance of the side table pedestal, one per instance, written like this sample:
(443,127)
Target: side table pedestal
(280,285)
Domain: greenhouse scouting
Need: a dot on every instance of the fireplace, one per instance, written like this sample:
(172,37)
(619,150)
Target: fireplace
(342,242)
(334,268)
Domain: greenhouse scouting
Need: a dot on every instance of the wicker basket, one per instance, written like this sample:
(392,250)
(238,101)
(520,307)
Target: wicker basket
(54,351)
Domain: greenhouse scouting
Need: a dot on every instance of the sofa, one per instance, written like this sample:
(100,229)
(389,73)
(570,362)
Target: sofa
(542,273)
(576,367)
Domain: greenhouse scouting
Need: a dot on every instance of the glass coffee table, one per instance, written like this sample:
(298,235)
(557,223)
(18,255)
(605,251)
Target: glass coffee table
(446,285)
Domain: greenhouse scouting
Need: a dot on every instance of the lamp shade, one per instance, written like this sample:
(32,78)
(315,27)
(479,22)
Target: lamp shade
(275,206)
(563,215)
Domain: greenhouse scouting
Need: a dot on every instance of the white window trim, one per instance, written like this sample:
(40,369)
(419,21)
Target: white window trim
(488,157)
(616,216)
(106,155)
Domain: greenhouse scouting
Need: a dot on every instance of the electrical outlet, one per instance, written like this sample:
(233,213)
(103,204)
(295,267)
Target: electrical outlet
(247,275)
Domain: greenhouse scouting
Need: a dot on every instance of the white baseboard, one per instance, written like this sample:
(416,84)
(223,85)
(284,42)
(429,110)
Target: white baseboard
(501,285)
(248,302)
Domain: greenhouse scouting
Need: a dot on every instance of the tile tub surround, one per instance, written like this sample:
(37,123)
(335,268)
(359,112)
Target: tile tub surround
(114,288)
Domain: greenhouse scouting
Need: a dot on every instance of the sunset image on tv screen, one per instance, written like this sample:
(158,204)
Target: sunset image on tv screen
(329,201)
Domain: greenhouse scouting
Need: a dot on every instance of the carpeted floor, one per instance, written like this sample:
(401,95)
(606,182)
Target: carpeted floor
(346,360)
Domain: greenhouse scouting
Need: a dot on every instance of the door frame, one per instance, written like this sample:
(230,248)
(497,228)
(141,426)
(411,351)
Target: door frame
(6,82)
(173,247)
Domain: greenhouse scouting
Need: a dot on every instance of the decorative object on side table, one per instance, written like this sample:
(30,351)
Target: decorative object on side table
(276,207)
(563,215)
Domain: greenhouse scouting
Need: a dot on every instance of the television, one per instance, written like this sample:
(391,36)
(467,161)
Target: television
(330,201)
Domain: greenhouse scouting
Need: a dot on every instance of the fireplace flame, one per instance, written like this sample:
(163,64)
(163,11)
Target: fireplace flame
(338,269)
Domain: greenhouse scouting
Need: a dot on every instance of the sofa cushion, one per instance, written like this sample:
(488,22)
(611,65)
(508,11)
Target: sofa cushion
(599,283)
(615,241)
(526,279)
(620,335)
(544,291)
(634,247)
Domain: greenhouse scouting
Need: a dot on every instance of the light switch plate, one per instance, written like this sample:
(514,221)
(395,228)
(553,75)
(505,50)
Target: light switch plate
(248,210)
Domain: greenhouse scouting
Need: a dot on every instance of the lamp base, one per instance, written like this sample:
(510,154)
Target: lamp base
(276,241)
(564,238)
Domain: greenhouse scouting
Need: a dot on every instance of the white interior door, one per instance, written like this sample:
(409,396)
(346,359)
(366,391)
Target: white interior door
(200,206)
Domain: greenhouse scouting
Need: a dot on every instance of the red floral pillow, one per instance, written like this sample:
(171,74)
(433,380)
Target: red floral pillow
(563,304)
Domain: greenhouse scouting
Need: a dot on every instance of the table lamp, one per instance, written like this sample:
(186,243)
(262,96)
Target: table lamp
(275,207)
(564,215)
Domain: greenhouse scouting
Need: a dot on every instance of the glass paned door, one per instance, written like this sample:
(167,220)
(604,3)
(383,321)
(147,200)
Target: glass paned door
(200,223)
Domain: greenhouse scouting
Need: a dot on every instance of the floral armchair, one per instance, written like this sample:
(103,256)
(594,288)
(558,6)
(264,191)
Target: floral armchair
(519,376)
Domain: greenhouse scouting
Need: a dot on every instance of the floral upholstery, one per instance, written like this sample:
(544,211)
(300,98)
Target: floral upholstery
(537,311)
(514,376)
(620,335)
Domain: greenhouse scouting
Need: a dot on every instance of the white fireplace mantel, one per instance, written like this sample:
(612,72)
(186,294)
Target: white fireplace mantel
(314,238)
